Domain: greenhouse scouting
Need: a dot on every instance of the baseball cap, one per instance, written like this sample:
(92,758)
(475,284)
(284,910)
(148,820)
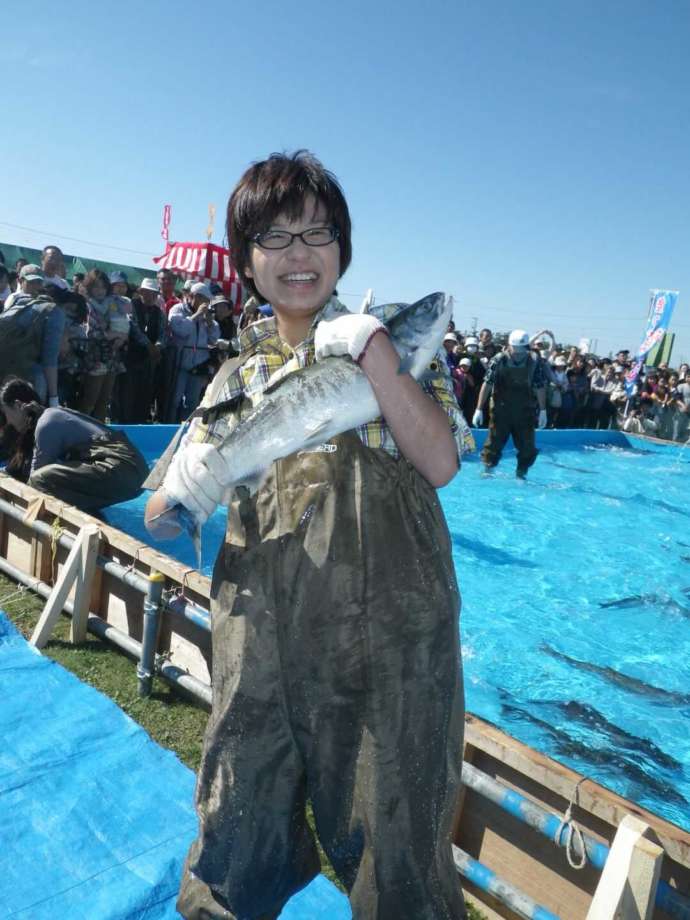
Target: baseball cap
(31,273)
(560,361)
(465,362)
(201,288)
(149,284)
(187,286)
(449,337)
(117,278)
(220,299)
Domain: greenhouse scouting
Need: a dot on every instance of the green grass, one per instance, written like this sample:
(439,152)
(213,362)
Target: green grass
(169,719)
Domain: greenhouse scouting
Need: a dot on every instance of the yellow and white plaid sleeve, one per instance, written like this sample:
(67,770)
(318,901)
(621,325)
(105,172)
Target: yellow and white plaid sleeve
(438,384)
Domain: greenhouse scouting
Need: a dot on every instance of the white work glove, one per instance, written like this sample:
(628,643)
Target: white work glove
(53,402)
(197,478)
(542,419)
(345,335)
(477,418)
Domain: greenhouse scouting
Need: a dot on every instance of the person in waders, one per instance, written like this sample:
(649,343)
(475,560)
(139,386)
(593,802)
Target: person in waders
(336,656)
(66,454)
(515,381)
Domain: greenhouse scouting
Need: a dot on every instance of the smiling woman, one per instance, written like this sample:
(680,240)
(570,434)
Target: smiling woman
(334,672)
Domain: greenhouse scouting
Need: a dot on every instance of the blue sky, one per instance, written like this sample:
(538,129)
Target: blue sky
(529,158)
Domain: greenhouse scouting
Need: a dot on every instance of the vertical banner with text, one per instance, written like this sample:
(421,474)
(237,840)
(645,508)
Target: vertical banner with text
(661,305)
(166,223)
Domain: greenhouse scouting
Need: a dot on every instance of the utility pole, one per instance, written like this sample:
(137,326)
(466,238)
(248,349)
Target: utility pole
(474,325)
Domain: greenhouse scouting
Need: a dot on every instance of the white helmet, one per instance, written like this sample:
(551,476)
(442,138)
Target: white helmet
(471,340)
(518,338)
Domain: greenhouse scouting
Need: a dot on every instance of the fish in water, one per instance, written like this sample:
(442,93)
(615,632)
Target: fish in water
(632,684)
(588,715)
(650,600)
(306,408)
(574,469)
(567,746)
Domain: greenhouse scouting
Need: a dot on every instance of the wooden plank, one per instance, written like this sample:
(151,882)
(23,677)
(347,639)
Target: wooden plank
(2,535)
(627,888)
(90,539)
(58,596)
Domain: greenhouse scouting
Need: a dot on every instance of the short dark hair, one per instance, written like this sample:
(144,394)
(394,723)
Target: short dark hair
(97,275)
(15,388)
(281,185)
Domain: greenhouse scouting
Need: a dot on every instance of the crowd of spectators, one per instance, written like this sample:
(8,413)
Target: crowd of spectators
(583,390)
(138,354)
(96,343)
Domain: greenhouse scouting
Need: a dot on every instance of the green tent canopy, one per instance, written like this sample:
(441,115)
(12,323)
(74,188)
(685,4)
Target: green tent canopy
(74,264)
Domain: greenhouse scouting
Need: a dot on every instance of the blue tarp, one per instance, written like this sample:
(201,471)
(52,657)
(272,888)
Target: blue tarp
(95,818)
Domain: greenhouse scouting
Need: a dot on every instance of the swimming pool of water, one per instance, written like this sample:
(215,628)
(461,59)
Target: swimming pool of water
(575,621)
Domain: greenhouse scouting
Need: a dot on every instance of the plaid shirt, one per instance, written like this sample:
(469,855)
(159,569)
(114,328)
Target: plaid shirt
(265,357)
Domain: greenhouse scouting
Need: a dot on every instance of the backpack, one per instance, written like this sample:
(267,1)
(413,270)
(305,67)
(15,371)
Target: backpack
(21,340)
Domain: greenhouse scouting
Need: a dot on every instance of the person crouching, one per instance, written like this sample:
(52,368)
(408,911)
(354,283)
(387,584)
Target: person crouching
(68,455)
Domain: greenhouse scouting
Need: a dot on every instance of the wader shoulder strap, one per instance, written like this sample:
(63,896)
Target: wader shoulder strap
(225,371)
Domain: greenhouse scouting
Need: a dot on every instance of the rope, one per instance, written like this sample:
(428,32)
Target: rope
(135,559)
(57,531)
(573,830)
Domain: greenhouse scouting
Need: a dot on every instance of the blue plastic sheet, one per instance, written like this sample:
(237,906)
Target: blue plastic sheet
(95,818)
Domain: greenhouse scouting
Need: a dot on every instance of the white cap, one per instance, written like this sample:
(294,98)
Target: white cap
(149,284)
(471,340)
(201,288)
(465,362)
(187,286)
(518,338)
(449,337)
(560,361)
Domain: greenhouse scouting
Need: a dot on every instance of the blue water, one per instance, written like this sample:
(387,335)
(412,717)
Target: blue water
(593,523)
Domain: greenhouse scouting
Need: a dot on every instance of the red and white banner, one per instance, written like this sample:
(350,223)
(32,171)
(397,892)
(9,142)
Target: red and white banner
(204,262)
(166,222)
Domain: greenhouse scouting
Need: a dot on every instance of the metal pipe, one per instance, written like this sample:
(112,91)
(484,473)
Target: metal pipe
(181,679)
(530,813)
(149,633)
(486,880)
(183,607)
(169,672)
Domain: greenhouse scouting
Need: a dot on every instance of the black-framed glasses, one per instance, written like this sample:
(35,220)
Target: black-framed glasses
(281,239)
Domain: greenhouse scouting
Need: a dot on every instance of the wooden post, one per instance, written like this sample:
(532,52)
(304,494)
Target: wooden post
(82,593)
(627,888)
(79,566)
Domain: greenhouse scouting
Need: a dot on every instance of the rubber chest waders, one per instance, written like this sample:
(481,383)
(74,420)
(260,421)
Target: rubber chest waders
(512,415)
(336,678)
